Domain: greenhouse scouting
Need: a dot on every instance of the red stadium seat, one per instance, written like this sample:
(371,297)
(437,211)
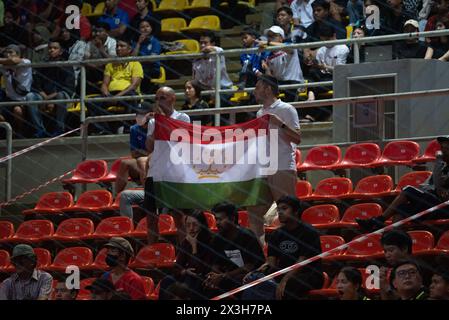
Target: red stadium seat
(211,221)
(331,189)
(141,229)
(359,156)
(414,178)
(422,241)
(398,153)
(331,242)
(81,257)
(321,216)
(321,158)
(113,227)
(155,294)
(243,219)
(73,229)
(83,293)
(112,174)
(89,171)
(5,261)
(32,231)
(92,201)
(326,283)
(149,287)
(361,210)
(43,257)
(166,225)
(298,158)
(159,255)
(429,153)
(52,202)
(273,226)
(372,187)
(327,291)
(303,189)
(441,248)
(367,249)
(6,230)
(100,261)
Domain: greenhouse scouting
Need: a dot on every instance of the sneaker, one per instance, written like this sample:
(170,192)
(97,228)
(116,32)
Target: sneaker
(371,224)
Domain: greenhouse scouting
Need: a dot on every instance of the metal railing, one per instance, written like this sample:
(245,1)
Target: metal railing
(8,129)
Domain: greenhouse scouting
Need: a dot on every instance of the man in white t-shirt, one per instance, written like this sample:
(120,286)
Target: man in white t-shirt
(165,104)
(284,119)
(302,12)
(18,84)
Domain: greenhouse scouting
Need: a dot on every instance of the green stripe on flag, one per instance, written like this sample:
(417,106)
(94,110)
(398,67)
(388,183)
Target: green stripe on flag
(206,195)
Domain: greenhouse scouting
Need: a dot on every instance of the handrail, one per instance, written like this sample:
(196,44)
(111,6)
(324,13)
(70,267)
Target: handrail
(8,129)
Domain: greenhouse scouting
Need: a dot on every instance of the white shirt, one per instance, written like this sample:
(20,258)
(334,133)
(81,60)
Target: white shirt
(286,150)
(23,76)
(204,71)
(284,65)
(332,56)
(303,11)
(110,47)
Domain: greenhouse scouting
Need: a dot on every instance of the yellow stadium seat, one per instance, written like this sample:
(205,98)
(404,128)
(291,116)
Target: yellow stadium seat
(251,4)
(172,25)
(349,31)
(302,92)
(153,4)
(190,46)
(203,23)
(86,10)
(240,96)
(162,77)
(198,5)
(76,107)
(168,6)
(98,11)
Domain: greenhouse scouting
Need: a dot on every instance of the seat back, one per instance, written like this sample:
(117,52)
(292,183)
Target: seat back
(205,22)
(115,166)
(414,178)
(211,223)
(75,227)
(141,226)
(6,229)
(5,259)
(443,242)
(361,210)
(303,188)
(99,8)
(323,156)
(432,148)
(166,224)
(243,219)
(115,226)
(86,9)
(374,184)
(173,24)
(362,153)
(298,157)
(94,199)
(177,5)
(43,257)
(200,4)
(331,242)
(35,229)
(77,256)
(401,150)
(83,293)
(422,240)
(91,169)
(333,187)
(100,259)
(157,254)
(371,245)
(149,286)
(190,45)
(320,214)
(55,200)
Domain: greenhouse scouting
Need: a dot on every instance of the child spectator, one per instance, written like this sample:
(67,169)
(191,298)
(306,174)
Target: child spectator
(192,91)
(116,18)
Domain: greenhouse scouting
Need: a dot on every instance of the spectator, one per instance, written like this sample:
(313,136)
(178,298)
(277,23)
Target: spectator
(148,45)
(17,85)
(26,283)
(123,279)
(412,47)
(442,11)
(102,289)
(284,118)
(75,48)
(439,288)
(61,292)
(292,33)
(116,18)
(321,14)
(194,101)
(282,64)
(349,284)
(358,32)
(144,12)
(302,12)
(11,32)
(416,199)
(85,29)
(51,83)
(407,279)
(394,17)
(40,37)
(237,252)
(439,47)
(120,79)
(165,104)
(355,9)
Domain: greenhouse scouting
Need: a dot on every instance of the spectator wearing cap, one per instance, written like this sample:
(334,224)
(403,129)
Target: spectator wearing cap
(439,287)
(119,252)
(26,283)
(416,199)
(409,48)
(116,18)
(439,47)
(321,15)
(407,279)
(18,85)
(282,64)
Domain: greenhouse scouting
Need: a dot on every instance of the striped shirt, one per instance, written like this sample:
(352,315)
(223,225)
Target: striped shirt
(38,286)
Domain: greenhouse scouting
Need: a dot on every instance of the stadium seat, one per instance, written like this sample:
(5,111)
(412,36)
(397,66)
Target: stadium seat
(111,176)
(198,6)
(172,26)
(239,96)
(422,241)
(211,221)
(321,158)
(397,153)
(98,11)
(155,294)
(6,230)
(359,155)
(81,257)
(149,287)
(159,255)
(303,189)
(367,249)
(113,227)
(298,158)
(330,189)
(203,23)
(442,247)
(361,210)
(5,261)
(243,219)
(331,242)
(273,226)
(91,201)
(86,9)
(43,257)
(250,4)
(141,229)
(52,202)
(414,178)
(166,225)
(429,153)
(190,46)
(168,7)
(162,77)
(89,171)
(32,231)
(327,291)
(83,293)
(321,216)
(100,261)
(73,230)
(372,187)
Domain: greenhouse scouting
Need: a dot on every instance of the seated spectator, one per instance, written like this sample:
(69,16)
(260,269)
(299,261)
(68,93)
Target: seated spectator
(349,284)
(147,45)
(293,33)
(407,279)
(439,287)
(26,283)
(18,84)
(358,32)
(85,29)
(194,101)
(123,279)
(103,289)
(62,86)
(144,12)
(442,11)
(12,32)
(128,198)
(192,261)
(438,48)
(116,18)
(394,16)
(356,12)
(75,48)
(412,47)
(302,12)
(120,79)
(282,64)
(237,251)
(61,292)
(40,37)
(416,199)
(321,14)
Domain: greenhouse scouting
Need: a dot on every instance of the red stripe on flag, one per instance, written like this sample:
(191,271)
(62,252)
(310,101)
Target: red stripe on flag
(165,130)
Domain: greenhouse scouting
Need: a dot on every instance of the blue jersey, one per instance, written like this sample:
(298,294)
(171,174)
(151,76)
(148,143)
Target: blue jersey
(252,62)
(120,17)
(137,137)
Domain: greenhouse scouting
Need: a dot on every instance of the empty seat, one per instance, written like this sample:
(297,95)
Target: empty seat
(359,155)
(172,26)
(32,231)
(327,291)
(89,171)
(298,158)
(303,189)
(159,255)
(100,261)
(92,201)
(398,153)
(422,241)
(167,7)
(321,216)
(162,76)
(243,219)
(112,174)
(321,158)
(331,188)
(81,257)
(73,229)
(6,230)
(360,210)
(43,257)
(364,250)
(331,242)
(203,23)
(141,229)
(198,6)
(441,248)
(212,224)
(372,187)
(166,225)
(414,178)
(113,227)
(429,153)
(52,202)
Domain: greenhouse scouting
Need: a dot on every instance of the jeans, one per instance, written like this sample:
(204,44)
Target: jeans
(127,199)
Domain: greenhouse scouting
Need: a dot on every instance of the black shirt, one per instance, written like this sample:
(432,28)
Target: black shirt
(199,104)
(199,261)
(403,50)
(439,49)
(313,30)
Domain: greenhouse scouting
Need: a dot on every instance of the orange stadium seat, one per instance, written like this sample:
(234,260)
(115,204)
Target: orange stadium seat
(43,257)
(91,201)
(73,229)
(243,219)
(155,294)
(113,227)
(303,189)
(159,255)
(89,171)
(298,158)
(5,261)
(331,242)
(442,247)
(112,174)
(422,241)
(81,257)
(397,153)
(149,287)
(367,249)
(429,153)
(327,291)
(211,221)
(6,230)
(414,179)
(100,261)
(331,189)
(83,293)
(141,229)
(32,231)
(372,187)
(361,210)
(321,158)
(321,216)
(166,225)
(359,156)
(52,202)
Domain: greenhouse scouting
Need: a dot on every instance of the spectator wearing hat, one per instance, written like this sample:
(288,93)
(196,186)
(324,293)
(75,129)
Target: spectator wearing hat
(119,252)
(409,48)
(26,283)
(407,279)
(116,18)
(416,199)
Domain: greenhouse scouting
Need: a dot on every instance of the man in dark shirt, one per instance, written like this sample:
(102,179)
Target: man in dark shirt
(322,16)
(394,16)
(409,48)
(407,279)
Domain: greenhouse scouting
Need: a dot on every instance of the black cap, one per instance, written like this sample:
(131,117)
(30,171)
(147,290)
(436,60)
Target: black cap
(101,284)
(443,139)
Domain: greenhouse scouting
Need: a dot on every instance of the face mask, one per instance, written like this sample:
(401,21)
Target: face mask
(111,260)
(141,119)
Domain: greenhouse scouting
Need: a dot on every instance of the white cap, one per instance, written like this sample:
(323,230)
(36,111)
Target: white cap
(412,22)
(275,29)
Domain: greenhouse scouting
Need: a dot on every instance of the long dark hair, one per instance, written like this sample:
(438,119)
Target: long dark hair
(354,276)
(204,236)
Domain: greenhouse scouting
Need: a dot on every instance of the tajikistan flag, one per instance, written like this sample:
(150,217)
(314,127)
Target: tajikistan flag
(196,166)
